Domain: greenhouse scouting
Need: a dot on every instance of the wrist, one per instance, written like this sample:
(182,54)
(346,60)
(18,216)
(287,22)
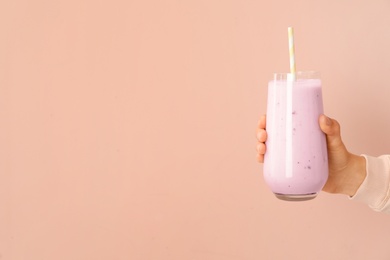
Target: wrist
(355,174)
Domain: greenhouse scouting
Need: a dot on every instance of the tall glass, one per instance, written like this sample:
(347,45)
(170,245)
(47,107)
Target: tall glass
(296,160)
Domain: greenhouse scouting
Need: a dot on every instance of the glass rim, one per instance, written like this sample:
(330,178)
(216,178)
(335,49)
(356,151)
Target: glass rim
(309,74)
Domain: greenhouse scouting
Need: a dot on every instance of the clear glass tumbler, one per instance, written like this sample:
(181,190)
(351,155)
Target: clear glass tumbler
(296,160)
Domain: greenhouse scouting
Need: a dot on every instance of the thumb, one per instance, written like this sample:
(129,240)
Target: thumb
(332,130)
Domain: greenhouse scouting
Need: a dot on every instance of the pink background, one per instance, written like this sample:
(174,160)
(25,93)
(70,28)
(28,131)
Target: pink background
(127,128)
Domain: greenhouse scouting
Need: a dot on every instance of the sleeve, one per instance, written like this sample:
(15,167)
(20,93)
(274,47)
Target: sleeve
(375,189)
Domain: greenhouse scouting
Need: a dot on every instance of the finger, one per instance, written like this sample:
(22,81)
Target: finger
(262,122)
(260,158)
(261,135)
(260,148)
(332,130)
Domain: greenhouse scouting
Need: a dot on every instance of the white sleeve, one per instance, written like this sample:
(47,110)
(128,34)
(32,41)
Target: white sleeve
(375,189)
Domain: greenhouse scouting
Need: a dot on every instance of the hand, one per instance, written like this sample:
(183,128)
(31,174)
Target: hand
(347,171)
(261,138)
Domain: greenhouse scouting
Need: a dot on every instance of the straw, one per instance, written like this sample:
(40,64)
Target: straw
(291,52)
(291,77)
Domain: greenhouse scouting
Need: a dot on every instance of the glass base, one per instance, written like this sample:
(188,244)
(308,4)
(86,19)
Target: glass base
(296,197)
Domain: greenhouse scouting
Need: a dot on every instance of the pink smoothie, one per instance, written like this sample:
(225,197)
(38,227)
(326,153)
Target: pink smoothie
(296,158)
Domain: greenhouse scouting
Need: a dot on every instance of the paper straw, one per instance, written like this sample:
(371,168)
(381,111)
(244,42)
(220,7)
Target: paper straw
(291,51)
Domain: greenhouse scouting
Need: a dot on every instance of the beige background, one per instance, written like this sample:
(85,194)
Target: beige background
(127,127)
